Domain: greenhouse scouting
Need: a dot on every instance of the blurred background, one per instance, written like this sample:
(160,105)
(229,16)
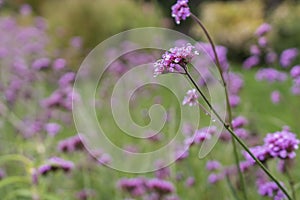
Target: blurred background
(42,44)
(231,23)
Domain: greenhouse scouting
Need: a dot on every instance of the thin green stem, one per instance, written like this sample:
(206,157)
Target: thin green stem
(291,182)
(235,150)
(229,129)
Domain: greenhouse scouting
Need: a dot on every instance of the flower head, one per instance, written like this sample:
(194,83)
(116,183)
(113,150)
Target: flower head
(181,10)
(260,152)
(160,186)
(270,189)
(191,98)
(263,29)
(282,144)
(288,56)
(174,59)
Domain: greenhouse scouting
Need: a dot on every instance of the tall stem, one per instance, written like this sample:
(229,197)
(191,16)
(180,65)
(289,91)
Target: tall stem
(291,182)
(229,129)
(235,150)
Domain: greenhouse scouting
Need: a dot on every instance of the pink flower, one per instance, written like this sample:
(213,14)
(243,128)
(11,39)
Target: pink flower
(191,98)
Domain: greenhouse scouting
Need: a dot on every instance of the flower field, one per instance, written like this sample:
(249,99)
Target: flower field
(148,114)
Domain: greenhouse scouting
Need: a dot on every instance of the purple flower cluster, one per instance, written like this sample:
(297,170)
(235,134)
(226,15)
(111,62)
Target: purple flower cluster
(191,98)
(282,144)
(270,189)
(263,29)
(175,59)
(54,164)
(147,188)
(220,50)
(275,97)
(181,10)
(200,135)
(288,56)
(270,75)
(251,62)
(235,84)
(261,51)
(71,144)
(213,165)
(295,74)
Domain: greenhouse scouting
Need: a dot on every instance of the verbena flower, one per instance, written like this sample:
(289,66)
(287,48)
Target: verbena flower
(295,71)
(190,181)
(263,29)
(52,128)
(54,164)
(174,59)
(288,56)
(275,97)
(71,144)
(271,57)
(260,152)
(282,144)
(191,98)
(221,52)
(134,186)
(213,165)
(270,189)
(251,62)
(214,178)
(181,10)
(239,122)
(270,75)
(160,186)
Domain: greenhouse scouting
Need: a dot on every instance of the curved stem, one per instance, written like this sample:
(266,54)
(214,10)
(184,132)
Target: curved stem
(229,129)
(291,182)
(229,121)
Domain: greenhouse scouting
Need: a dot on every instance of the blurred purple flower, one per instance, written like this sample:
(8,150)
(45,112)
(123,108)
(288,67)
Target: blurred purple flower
(263,29)
(25,9)
(234,100)
(67,79)
(76,42)
(270,189)
(52,128)
(41,63)
(275,97)
(239,122)
(213,165)
(221,52)
(134,186)
(160,186)
(260,152)
(263,42)
(214,178)
(59,64)
(270,75)
(54,164)
(190,181)
(271,57)
(254,50)
(288,56)
(85,194)
(71,144)
(295,71)
(191,98)
(181,10)
(251,62)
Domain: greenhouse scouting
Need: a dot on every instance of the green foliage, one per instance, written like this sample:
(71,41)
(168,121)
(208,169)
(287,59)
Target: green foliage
(285,20)
(232,23)
(96,20)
